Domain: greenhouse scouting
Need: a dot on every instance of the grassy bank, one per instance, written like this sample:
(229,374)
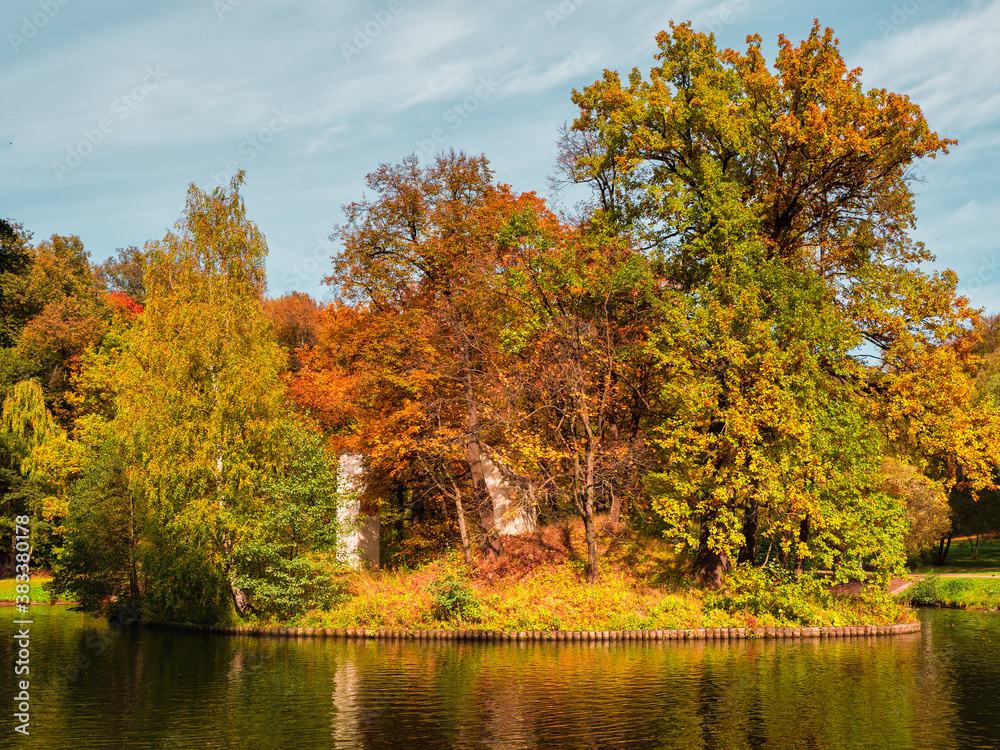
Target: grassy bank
(970,593)
(36,593)
(965,556)
(538,584)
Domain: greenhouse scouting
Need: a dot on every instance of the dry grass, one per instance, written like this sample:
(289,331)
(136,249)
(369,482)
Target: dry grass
(539,583)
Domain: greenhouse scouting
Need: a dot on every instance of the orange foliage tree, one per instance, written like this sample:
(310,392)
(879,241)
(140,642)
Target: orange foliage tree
(777,200)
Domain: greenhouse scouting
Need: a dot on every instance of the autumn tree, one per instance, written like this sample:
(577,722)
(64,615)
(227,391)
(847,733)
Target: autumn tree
(975,513)
(200,460)
(926,506)
(570,394)
(125,272)
(375,381)
(776,199)
(57,310)
(427,242)
(293,317)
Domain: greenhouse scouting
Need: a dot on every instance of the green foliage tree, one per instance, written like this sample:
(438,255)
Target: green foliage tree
(41,463)
(286,549)
(101,563)
(193,454)
(776,201)
(15,260)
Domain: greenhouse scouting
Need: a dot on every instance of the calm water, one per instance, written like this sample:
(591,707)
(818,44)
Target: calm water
(93,687)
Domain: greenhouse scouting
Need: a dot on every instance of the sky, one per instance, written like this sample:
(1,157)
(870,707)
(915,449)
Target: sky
(115,107)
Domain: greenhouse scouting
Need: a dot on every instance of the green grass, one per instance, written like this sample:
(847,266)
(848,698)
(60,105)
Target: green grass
(35,591)
(974,593)
(960,560)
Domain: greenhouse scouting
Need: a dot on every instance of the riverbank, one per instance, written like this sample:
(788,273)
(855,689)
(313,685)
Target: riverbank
(538,585)
(979,591)
(564,636)
(37,593)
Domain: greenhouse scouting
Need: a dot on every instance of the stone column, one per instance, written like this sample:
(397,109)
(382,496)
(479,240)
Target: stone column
(359,541)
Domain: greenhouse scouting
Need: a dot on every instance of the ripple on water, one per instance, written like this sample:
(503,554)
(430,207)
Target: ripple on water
(137,689)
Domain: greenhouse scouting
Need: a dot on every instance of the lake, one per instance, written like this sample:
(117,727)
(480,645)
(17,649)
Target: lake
(93,686)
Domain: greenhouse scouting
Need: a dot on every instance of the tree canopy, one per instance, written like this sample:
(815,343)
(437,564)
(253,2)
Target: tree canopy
(734,344)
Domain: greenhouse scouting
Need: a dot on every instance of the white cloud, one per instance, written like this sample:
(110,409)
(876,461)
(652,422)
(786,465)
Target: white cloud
(531,79)
(948,66)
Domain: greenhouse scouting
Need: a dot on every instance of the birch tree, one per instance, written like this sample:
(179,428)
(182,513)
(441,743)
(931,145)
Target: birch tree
(201,393)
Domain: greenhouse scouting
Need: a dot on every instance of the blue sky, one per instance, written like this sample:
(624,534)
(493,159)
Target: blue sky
(114,108)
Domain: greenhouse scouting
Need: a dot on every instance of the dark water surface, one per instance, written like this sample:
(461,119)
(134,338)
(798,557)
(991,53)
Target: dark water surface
(95,687)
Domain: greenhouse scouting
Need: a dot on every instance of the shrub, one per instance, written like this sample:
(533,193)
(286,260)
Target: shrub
(925,592)
(453,599)
(767,594)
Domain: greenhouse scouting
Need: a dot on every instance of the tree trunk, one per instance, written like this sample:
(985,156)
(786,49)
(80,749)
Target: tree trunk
(588,493)
(591,533)
(463,530)
(399,523)
(803,539)
(481,499)
(941,554)
(616,508)
(709,565)
(480,494)
(748,552)
(133,577)
(240,599)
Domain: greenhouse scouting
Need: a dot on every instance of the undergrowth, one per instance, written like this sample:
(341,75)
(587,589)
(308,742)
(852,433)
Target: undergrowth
(643,584)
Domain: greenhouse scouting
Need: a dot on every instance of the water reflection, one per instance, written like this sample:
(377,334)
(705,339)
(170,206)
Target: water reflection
(96,688)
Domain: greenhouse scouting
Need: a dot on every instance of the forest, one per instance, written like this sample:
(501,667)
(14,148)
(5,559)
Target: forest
(732,346)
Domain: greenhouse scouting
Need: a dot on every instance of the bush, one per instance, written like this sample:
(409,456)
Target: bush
(453,598)
(934,591)
(768,594)
(925,592)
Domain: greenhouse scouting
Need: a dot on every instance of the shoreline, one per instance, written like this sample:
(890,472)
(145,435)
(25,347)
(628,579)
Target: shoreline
(557,636)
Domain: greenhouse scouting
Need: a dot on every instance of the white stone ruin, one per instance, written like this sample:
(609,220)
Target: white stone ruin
(510,514)
(359,540)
